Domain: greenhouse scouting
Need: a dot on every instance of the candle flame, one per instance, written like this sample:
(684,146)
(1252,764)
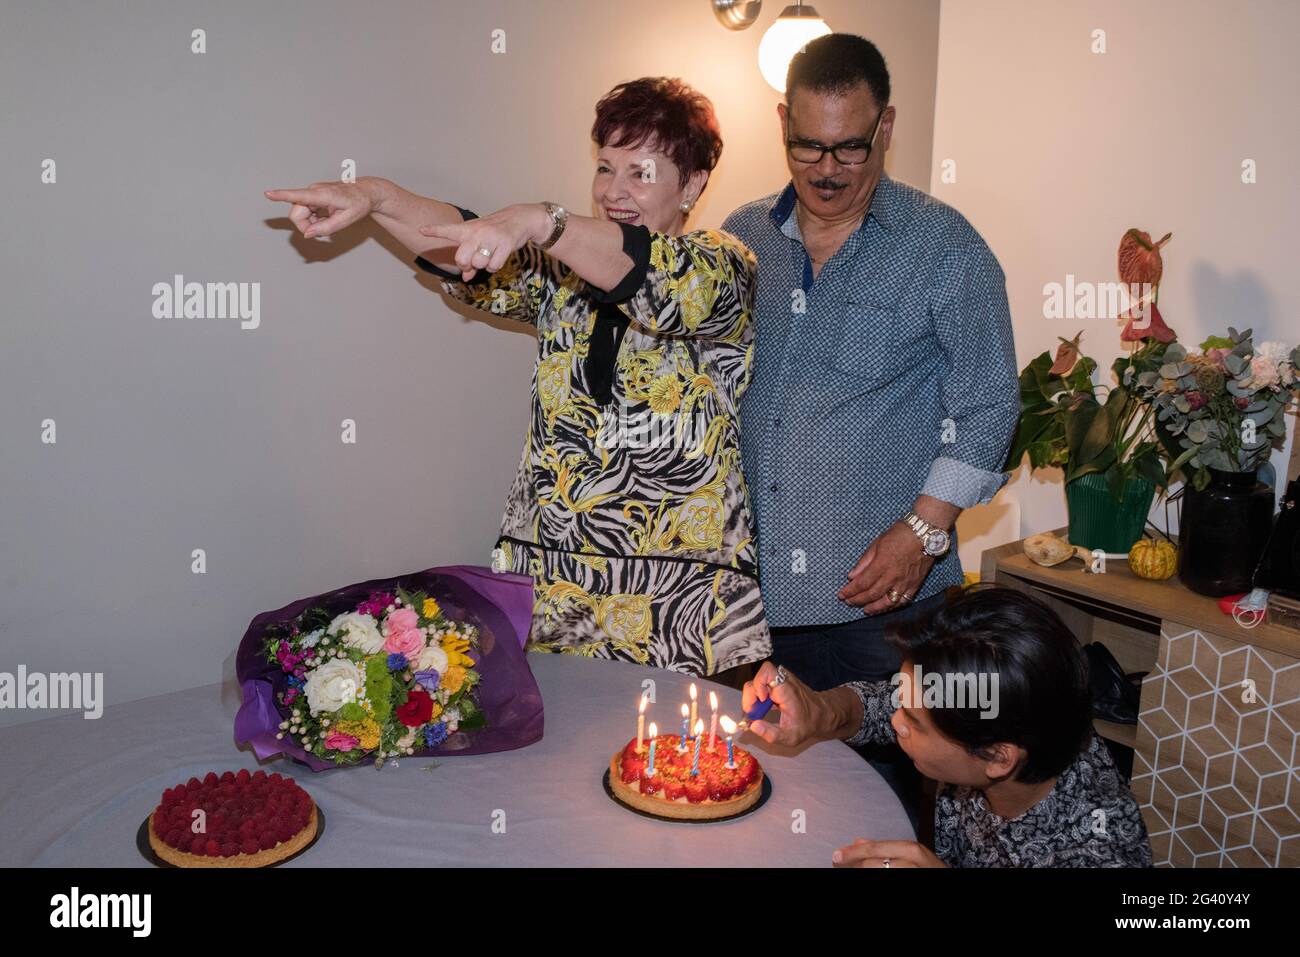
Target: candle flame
(693,691)
(654,732)
(644,699)
(713,700)
(699,727)
(685,711)
(728,725)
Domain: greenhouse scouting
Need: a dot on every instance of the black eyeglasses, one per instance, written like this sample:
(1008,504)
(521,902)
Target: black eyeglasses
(849,153)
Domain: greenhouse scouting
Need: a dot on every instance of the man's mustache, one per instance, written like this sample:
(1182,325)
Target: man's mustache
(827,184)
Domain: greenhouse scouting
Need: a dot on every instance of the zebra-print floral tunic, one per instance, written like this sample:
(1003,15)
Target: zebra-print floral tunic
(629,509)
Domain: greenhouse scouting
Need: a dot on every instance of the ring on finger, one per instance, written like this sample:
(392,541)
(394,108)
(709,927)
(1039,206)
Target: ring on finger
(484,251)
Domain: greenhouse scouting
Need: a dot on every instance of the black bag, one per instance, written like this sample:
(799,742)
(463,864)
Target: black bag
(1279,567)
(1115,695)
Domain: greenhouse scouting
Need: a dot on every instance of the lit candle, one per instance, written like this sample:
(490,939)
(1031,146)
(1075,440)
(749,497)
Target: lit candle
(729,728)
(686,728)
(640,723)
(713,721)
(699,736)
(650,767)
(694,705)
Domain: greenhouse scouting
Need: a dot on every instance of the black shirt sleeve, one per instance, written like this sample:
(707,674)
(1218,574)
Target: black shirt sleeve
(636,243)
(481,276)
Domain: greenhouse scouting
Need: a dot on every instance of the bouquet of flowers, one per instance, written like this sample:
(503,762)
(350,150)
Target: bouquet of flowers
(388,677)
(1222,407)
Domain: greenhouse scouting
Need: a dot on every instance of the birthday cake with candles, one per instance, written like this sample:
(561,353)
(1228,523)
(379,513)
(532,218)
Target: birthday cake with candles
(699,778)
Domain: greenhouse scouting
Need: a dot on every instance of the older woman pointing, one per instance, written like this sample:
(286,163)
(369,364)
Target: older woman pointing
(629,509)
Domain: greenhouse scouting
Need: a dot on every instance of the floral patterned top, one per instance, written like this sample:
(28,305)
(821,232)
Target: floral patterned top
(1089,819)
(629,509)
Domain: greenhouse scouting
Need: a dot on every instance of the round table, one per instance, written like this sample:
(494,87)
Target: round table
(74,791)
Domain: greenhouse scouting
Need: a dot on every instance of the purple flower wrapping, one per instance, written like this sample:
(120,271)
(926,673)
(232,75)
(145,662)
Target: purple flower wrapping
(498,604)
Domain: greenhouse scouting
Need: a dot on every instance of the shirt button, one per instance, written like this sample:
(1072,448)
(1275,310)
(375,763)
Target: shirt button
(777,423)
(773,487)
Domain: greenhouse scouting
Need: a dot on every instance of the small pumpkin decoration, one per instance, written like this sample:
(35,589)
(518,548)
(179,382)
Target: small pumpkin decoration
(1152,559)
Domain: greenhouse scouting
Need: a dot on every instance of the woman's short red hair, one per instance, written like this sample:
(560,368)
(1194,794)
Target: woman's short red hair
(668,114)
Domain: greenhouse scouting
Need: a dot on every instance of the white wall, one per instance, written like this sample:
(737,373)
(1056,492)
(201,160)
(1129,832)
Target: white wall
(180,434)
(1059,150)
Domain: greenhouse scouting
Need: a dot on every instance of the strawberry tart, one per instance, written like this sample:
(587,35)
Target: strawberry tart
(235,820)
(718,790)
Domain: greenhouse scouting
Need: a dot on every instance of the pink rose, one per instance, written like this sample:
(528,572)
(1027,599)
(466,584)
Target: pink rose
(337,741)
(409,643)
(403,619)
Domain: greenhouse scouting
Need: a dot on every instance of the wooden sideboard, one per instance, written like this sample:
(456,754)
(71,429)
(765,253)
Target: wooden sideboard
(1215,765)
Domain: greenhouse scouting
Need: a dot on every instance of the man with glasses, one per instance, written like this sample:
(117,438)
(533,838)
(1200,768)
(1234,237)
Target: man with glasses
(884,389)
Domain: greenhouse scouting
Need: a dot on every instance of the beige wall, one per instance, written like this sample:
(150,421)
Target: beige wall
(176,435)
(1059,150)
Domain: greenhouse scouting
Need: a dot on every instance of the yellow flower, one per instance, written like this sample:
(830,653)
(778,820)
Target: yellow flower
(454,679)
(437,710)
(665,394)
(366,732)
(431,608)
(455,646)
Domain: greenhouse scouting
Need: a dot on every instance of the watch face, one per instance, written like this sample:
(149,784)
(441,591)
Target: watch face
(936,541)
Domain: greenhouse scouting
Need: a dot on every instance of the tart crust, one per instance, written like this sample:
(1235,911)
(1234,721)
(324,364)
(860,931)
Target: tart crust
(265,858)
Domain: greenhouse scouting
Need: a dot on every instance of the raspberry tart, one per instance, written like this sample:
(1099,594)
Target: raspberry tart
(249,820)
(718,791)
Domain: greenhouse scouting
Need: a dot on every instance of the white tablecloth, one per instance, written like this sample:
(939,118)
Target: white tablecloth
(73,792)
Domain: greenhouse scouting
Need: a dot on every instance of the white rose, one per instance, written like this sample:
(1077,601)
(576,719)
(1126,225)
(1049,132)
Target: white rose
(433,658)
(333,685)
(358,631)
(1278,354)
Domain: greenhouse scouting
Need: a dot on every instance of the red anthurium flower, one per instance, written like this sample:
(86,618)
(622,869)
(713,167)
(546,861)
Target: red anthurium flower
(1155,329)
(1139,258)
(1067,354)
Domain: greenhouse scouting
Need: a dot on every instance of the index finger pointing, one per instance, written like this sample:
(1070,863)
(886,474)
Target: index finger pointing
(303,197)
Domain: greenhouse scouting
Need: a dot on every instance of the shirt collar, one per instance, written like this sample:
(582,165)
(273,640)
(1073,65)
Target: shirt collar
(883,209)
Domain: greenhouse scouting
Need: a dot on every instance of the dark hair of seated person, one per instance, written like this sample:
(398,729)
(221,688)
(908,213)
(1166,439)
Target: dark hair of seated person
(1044,700)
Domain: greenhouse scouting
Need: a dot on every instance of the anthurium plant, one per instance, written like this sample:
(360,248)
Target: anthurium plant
(1069,421)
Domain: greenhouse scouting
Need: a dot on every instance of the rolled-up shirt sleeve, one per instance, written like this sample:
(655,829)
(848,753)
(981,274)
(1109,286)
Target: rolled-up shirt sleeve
(877,706)
(698,284)
(981,395)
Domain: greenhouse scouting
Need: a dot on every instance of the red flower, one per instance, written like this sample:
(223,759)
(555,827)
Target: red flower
(1139,258)
(417,710)
(1067,355)
(1195,400)
(1154,329)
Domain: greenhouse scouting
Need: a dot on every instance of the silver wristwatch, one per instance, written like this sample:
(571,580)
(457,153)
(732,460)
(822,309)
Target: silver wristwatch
(934,541)
(559,218)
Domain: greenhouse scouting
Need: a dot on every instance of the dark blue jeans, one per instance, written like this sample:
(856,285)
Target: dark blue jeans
(827,656)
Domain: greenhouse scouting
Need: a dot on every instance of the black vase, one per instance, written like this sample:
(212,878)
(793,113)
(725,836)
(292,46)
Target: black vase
(1222,533)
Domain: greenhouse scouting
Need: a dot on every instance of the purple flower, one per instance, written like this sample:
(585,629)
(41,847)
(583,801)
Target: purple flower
(428,680)
(397,661)
(435,734)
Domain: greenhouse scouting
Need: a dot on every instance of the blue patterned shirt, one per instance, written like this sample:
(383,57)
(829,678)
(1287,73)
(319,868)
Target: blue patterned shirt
(889,375)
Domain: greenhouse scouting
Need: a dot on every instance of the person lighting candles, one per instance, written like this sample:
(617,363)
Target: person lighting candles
(1025,780)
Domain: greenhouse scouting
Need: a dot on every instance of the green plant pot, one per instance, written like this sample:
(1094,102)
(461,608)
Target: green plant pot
(1098,521)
